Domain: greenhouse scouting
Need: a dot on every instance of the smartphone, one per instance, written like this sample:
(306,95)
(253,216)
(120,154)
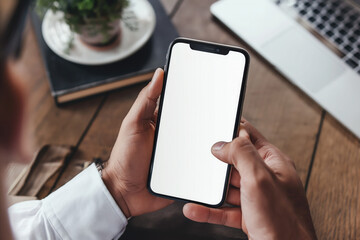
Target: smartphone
(200,104)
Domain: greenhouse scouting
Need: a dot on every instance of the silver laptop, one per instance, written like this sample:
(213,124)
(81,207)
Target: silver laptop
(314,43)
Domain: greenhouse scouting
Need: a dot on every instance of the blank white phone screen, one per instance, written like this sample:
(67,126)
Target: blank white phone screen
(199,109)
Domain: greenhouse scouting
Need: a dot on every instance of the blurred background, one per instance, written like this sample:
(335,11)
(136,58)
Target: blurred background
(302,94)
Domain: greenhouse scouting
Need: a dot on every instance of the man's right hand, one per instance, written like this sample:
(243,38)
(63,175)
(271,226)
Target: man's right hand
(267,193)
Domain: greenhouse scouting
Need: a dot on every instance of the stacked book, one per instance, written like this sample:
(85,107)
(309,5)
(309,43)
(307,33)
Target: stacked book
(71,81)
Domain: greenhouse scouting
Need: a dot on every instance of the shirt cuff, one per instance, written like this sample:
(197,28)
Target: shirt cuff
(85,209)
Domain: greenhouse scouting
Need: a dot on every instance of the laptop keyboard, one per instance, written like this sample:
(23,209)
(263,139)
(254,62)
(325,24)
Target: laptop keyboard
(337,21)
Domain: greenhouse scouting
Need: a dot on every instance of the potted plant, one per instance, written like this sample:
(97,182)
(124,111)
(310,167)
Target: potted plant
(95,21)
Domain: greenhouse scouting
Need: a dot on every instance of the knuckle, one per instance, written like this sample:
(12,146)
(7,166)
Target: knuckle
(238,145)
(291,162)
(283,157)
(291,175)
(270,152)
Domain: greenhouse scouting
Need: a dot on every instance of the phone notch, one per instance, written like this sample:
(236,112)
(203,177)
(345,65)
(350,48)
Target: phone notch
(209,48)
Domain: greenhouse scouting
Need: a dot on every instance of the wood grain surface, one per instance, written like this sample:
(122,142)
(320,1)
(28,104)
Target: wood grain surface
(48,124)
(334,187)
(324,152)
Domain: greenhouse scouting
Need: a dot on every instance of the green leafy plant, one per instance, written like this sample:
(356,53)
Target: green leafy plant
(79,13)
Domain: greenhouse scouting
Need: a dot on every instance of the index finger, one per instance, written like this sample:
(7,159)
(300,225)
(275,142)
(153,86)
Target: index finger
(242,154)
(256,137)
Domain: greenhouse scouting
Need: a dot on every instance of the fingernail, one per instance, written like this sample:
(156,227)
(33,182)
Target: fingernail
(243,133)
(156,74)
(218,146)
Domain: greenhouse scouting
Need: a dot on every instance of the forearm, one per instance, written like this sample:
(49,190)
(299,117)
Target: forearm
(82,209)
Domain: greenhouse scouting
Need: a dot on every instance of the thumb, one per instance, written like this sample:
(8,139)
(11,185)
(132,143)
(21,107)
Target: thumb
(145,104)
(242,154)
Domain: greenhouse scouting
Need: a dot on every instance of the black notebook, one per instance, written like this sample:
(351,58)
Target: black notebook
(70,81)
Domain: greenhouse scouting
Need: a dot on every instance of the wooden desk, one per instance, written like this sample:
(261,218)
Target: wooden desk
(327,156)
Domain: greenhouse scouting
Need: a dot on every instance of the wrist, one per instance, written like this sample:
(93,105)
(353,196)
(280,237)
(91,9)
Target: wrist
(110,183)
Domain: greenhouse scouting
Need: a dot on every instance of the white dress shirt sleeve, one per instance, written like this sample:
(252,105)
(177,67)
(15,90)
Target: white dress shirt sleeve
(81,209)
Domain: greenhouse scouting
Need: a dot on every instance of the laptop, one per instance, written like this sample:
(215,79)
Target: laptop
(313,43)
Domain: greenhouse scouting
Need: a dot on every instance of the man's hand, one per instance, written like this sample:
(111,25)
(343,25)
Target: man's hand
(126,173)
(267,194)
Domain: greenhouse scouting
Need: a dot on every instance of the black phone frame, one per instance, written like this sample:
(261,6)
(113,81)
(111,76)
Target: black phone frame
(207,47)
